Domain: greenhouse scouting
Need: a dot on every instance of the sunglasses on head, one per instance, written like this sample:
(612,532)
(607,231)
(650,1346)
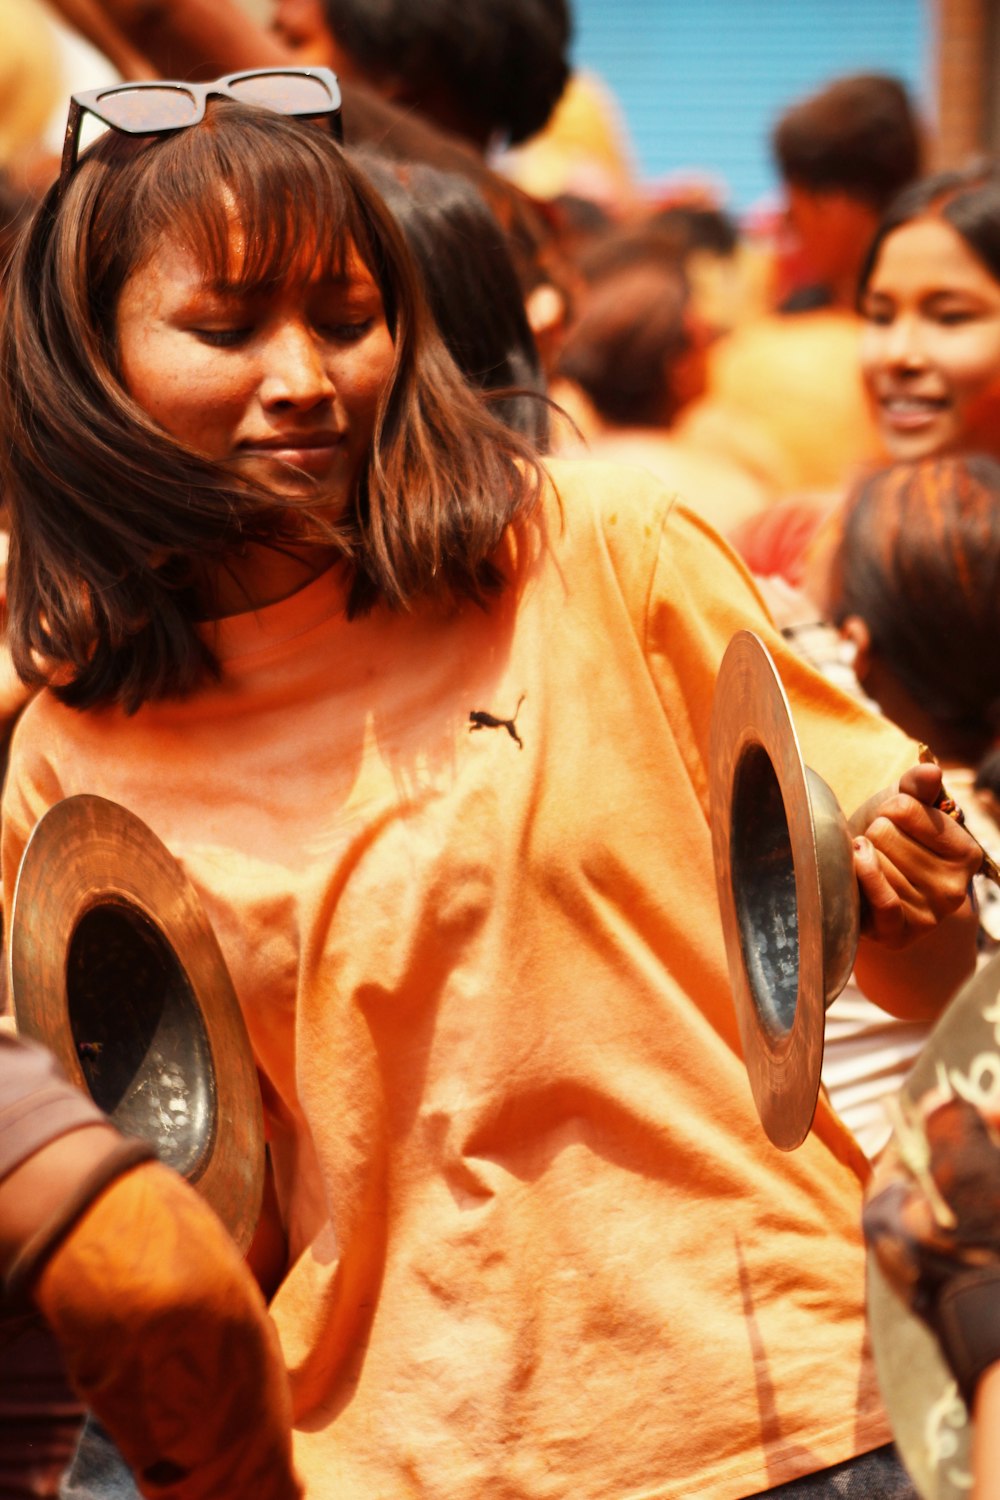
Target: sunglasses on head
(165,105)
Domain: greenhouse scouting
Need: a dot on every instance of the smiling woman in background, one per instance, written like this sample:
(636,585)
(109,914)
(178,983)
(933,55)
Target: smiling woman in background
(930,297)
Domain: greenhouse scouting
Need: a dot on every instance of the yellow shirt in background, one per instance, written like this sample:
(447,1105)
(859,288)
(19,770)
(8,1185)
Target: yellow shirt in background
(786,400)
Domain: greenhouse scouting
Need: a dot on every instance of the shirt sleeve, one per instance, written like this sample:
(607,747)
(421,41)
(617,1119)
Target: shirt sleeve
(700,596)
(30,789)
(37,1104)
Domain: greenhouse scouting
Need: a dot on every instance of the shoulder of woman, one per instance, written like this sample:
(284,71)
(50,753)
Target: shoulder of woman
(615,495)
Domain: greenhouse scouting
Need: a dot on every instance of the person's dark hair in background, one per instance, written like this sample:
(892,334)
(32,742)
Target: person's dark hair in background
(967,199)
(628,345)
(915,583)
(472,285)
(624,346)
(844,153)
(480,68)
(859,135)
(698,228)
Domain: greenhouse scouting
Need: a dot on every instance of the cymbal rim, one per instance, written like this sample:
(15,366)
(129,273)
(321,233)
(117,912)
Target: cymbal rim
(88,852)
(750,717)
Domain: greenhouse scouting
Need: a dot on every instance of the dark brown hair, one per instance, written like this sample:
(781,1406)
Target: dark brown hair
(967,199)
(483,66)
(468,274)
(919,562)
(114,521)
(858,135)
(630,330)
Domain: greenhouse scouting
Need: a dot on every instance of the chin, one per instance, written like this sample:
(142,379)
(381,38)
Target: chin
(911,447)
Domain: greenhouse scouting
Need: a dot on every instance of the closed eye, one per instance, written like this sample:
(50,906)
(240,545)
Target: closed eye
(348,333)
(952,316)
(222,338)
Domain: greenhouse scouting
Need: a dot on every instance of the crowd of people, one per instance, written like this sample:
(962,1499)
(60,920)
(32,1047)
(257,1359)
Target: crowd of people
(376,530)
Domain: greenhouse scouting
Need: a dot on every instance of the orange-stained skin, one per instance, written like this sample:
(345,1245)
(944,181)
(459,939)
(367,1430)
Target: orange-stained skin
(166,1337)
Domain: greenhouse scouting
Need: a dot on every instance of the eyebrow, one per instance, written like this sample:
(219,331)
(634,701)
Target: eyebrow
(224,286)
(940,293)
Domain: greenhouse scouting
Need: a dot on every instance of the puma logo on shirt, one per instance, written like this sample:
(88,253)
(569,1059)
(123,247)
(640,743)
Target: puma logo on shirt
(480,719)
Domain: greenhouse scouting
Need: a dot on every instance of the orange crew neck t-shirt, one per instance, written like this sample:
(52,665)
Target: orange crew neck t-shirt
(540,1245)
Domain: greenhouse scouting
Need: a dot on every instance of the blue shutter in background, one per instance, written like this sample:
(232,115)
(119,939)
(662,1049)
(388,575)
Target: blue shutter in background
(700,84)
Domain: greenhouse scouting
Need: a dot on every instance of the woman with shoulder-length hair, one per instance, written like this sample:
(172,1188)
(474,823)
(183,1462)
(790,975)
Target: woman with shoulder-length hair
(427,727)
(929,293)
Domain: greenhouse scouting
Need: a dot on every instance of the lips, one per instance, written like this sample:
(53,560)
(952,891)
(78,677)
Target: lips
(311,452)
(908,410)
(282,442)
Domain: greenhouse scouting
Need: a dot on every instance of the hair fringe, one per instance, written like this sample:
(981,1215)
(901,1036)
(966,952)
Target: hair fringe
(114,524)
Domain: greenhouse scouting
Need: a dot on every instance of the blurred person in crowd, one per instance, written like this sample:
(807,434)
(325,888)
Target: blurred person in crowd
(31,86)
(914,594)
(583,150)
(727,274)
(489,73)
(914,587)
(302,26)
(932,1217)
(844,153)
(786,401)
(930,299)
(632,361)
(90,25)
(785,392)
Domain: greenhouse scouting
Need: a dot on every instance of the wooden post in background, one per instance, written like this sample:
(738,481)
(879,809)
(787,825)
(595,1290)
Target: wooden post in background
(964,62)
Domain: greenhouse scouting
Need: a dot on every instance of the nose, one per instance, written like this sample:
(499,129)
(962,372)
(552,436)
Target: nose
(903,345)
(295,374)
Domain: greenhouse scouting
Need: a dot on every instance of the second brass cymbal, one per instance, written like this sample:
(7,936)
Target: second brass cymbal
(787,891)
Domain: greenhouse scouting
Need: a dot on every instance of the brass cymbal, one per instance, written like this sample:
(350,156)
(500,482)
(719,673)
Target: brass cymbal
(113,965)
(930,1421)
(787,891)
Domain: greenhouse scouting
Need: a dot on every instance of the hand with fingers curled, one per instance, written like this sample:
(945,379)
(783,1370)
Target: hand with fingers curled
(913,861)
(932,1216)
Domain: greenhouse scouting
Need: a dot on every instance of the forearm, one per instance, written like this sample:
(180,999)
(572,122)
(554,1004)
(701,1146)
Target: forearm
(94,20)
(166,1337)
(42,1197)
(190,38)
(915,983)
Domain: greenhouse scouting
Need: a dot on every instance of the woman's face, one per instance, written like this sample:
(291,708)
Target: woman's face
(931,347)
(285,382)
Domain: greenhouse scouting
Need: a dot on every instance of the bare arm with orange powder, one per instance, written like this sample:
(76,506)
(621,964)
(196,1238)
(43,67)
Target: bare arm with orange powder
(161,1326)
(176,38)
